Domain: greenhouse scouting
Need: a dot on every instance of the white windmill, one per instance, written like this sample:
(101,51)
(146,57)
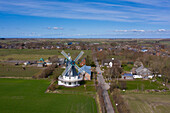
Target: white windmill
(70,77)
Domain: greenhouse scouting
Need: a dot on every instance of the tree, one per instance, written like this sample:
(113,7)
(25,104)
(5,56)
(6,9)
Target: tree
(88,60)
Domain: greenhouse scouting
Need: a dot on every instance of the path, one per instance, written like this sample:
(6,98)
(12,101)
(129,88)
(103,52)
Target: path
(105,87)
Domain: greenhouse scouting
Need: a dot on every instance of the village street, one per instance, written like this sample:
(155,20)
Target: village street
(105,87)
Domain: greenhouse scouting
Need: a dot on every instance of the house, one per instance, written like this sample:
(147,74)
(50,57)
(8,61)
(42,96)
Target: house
(27,63)
(106,62)
(137,76)
(83,62)
(150,76)
(58,47)
(61,61)
(143,71)
(111,62)
(40,63)
(87,70)
(116,62)
(127,76)
(70,43)
(78,47)
(48,63)
(100,49)
(144,50)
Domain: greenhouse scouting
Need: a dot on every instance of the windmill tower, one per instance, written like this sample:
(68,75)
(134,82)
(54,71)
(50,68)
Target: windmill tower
(70,77)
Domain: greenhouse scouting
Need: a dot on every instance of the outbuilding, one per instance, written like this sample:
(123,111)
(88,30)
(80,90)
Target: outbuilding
(127,76)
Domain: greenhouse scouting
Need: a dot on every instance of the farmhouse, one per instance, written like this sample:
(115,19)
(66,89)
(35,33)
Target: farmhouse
(87,71)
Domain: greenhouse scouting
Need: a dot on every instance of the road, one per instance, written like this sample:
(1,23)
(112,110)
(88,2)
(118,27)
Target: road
(105,87)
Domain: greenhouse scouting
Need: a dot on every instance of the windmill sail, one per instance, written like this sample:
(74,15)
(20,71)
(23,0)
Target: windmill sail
(78,57)
(66,55)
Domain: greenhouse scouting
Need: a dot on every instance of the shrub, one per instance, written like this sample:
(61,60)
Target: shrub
(121,105)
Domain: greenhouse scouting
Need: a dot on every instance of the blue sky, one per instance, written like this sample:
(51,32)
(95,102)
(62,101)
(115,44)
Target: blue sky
(85,18)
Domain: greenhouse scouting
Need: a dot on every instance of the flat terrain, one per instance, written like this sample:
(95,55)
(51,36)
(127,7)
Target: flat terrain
(142,85)
(148,103)
(89,87)
(36,54)
(27,96)
(17,71)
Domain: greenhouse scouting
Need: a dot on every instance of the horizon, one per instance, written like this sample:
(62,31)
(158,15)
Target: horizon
(120,19)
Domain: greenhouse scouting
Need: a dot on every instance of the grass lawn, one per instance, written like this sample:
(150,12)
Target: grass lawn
(89,87)
(145,84)
(17,71)
(36,54)
(148,103)
(27,96)
(127,67)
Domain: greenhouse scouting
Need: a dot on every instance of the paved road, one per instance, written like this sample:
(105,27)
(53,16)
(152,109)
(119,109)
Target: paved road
(105,87)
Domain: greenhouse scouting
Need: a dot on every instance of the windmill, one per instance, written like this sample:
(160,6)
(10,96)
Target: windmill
(70,77)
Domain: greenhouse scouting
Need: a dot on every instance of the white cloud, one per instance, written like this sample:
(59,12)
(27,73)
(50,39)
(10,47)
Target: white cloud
(135,30)
(57,28)
(86,10)
(143,31)
(160,30)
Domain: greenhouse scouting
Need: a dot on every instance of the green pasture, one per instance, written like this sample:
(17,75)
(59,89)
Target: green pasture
(27,96)
(142,84)
(36,54)
(148,103)
(17,71)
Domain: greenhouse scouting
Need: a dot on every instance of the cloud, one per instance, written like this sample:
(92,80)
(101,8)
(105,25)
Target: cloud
(57,28)
(133,30)
(142,31)
(88,10)
(160,30)
(159,3)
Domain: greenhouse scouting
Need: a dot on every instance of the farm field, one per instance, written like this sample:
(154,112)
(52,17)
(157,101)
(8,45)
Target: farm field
(34,54)
(27,96)
(148,103)
(17,71)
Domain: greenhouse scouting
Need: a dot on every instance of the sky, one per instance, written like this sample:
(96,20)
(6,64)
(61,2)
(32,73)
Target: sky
(84,18)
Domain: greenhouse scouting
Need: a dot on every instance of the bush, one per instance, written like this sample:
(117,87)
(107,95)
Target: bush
(92,64)
(121,105)
(52,87)
(48,71)
(122,84)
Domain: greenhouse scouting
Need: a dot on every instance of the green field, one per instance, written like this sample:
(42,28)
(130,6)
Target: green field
(127,67)
(17,71)
(148,103)
(27,96)
(142,84)
(89,87)
(36,54)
